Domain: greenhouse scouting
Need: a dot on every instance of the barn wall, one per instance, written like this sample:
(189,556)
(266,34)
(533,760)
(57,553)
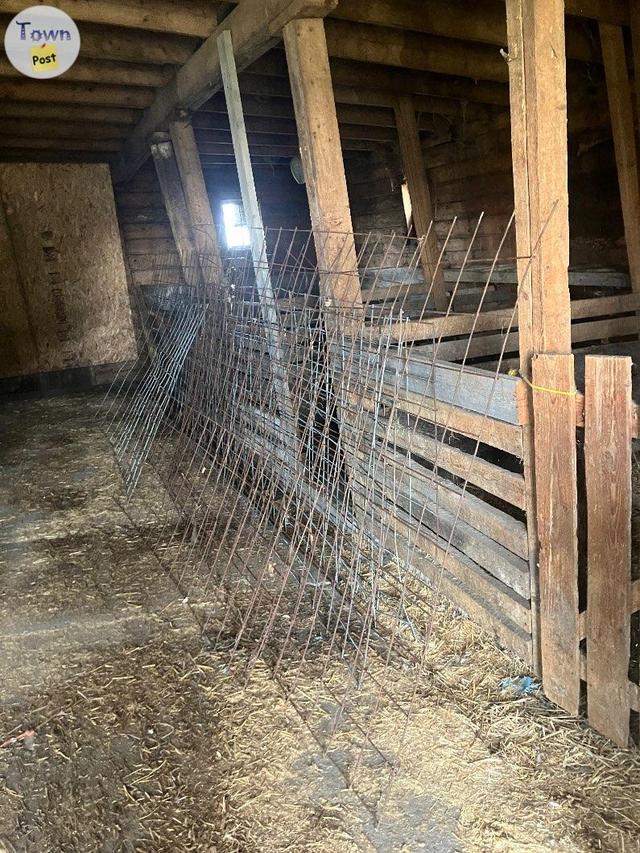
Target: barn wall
(64,297)
(145,227)
(470,173)
(373,182)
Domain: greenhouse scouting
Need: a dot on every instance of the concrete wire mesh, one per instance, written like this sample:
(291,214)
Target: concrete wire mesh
(296,529)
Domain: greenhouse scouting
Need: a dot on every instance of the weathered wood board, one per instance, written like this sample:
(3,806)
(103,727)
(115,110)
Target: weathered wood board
(608,410)
(557,500)
(63,288)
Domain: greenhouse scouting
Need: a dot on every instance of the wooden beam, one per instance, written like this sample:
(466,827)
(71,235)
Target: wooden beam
(176,207)
(127,45)
(415,172)
(322,162)
(479,22)
(29,142)
(607,455)
(54,130)
(25,155)
(198,205)
(187,18)
(103,71)
(253,33)
(624,140)
(386,46)
(69,112)
(540,174)
(75,93)
(537,89)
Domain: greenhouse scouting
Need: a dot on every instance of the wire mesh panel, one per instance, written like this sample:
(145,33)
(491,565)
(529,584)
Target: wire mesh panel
(333,466)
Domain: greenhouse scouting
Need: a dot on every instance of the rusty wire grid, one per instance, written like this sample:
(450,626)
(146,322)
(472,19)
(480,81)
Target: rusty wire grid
(299,442)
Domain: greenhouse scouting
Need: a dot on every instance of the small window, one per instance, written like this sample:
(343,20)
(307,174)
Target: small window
(236,233)
(406,204)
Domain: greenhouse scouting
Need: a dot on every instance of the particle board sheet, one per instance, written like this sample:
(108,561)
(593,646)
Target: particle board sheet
(63,286)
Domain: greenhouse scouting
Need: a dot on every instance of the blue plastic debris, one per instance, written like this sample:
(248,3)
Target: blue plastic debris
(521,685)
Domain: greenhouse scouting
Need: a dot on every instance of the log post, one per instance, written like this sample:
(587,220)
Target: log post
(415,172)
(322,162)
(323,166)
(538,98)
(195,191)
(176,207)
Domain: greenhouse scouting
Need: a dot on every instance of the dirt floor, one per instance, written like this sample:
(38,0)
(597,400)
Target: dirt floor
(121,731)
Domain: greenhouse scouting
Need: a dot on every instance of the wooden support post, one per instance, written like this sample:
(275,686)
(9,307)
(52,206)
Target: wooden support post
(323,166)
(257,238)
(537,90)
(176,207)
(607,448)
(195,191)
(538,94)
(322,162)
(624,141)
(554,406)
(415,172)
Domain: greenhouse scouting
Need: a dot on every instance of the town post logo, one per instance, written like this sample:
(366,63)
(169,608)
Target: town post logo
(42,42)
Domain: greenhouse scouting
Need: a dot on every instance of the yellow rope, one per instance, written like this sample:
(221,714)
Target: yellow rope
(558,391)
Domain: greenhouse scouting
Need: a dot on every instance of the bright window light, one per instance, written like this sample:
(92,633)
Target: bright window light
(406,204)
(235,231)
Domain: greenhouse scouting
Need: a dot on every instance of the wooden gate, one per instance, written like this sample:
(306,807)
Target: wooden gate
(587,602)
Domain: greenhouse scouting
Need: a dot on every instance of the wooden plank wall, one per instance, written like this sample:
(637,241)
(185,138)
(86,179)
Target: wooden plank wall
(470,172)
(145,226)
(455,505)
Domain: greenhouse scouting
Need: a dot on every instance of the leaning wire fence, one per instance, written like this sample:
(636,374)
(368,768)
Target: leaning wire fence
(311,513)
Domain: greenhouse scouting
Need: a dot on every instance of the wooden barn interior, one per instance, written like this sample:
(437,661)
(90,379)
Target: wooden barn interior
(450,191)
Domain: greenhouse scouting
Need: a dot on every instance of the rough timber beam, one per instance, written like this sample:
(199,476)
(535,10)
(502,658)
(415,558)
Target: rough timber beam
(175,203)
(197,200)
(104,72)
(186,18)
(255,26)
(322,162)
(70,112)
(482,22)
(540,174)
(387,46)
(128,45)
(538,89)
(92,94)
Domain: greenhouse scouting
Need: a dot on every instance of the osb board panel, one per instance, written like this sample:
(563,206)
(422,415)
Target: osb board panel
(18,352)
(71,281)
